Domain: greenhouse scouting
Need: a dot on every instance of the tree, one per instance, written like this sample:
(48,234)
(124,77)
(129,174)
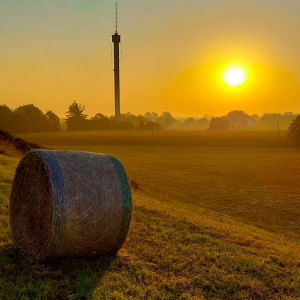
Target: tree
(52,121)
(154,116)
(203,122)
(166,117)
(128,117)
(151,116)
(148,115)
(100,121)
(255,117)
(148,126)
(99,117)
(219,124)
(28,118)
(294,131)
(75,117)
(239,116)
(5,117)
(270,117)
(190,121)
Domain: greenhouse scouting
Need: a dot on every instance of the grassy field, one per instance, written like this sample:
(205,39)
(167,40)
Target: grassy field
(164,138)
(257,184)
(208,223)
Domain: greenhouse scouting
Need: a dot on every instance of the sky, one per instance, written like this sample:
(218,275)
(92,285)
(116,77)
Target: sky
(53,52)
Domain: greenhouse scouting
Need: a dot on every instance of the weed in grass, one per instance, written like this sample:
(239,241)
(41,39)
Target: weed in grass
(134,185)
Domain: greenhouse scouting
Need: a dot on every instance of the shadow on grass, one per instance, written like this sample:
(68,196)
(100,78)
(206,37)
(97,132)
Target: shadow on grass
(76,278)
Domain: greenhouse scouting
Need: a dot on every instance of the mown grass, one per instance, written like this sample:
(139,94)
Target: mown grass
(257,185)
(173,251)
(177,247)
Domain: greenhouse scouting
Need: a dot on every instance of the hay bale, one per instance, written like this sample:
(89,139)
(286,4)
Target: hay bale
(69,203)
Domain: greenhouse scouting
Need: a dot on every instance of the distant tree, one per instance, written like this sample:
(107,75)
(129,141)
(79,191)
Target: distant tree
(148,115)
(235,115)
(207,117)
(52,121)
(99,117)
(120,125)
(270,117)
(5,117)
(294,131)
(149,126)
(270,120)
(288,117)
(239,118)
(154,116)
(166,117)
(128,117)
(255,117)
(28,118)
(100,121)
(151,116)
(190,121)
(76,119)
(202,122)
(125,126)
(219,124)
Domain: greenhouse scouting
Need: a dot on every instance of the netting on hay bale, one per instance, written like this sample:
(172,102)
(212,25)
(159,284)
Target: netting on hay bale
(69,203)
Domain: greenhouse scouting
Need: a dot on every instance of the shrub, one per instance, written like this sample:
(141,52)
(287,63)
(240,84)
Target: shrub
(294,131)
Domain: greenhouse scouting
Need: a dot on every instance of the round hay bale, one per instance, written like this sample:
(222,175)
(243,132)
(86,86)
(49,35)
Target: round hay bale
(69,203)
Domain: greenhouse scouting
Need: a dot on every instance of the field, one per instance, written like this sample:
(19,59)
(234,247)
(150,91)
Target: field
(199,138)
(256,184)
(208,222)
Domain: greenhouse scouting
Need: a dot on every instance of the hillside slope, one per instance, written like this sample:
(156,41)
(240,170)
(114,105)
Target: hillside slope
(173,251)
(15,146)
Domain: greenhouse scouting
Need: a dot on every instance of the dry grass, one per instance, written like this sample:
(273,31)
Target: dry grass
(9,150)
(173,251)
(178,247)
(257,185)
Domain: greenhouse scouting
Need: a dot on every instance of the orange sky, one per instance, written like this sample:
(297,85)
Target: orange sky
(172,54)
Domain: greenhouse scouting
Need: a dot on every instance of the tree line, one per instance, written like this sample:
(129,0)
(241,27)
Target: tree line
(239,119)
(29,118)
(77,120)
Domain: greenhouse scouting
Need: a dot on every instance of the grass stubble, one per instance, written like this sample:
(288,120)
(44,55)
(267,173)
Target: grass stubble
(175,250)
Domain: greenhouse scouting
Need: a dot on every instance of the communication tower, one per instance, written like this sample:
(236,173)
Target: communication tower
(116,39)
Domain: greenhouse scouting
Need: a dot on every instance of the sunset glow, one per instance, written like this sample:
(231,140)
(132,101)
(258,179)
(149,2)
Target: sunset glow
(175,64)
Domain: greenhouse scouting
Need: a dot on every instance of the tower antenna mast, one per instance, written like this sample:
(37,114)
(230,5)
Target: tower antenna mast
(116,17)
(116,39)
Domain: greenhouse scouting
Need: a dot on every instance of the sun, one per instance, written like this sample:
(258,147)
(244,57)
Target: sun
(234,76)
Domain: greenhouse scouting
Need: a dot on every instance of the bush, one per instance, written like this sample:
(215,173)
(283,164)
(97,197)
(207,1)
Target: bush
(294,131)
